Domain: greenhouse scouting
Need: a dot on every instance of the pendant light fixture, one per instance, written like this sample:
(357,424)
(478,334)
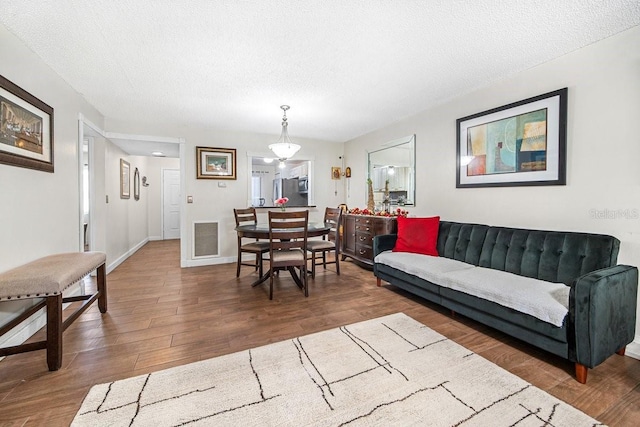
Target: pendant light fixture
(284,148)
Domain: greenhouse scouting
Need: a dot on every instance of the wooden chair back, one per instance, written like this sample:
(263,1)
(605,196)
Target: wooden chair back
(245,216)
(288,230)
(332,217)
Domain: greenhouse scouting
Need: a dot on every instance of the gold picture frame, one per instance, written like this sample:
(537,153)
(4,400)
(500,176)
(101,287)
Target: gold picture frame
(336,173)
(215,163)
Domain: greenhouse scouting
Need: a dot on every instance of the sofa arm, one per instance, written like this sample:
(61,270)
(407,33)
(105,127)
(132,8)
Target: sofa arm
(603,310)
(383,242)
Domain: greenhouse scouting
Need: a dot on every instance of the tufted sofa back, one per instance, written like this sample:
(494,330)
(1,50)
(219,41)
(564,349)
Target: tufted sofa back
(462,242)
(553,256)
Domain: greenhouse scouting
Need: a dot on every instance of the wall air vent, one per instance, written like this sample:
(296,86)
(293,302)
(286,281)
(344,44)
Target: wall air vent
(205,239)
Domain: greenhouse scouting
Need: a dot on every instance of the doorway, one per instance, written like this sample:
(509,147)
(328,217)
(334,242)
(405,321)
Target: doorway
(86,194)
(170,204)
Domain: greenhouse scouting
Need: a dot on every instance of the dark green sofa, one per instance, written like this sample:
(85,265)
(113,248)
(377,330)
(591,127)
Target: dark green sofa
(602,297)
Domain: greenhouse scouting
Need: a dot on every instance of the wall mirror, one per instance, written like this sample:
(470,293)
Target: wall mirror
(269,180)
(395,162)
(136,185)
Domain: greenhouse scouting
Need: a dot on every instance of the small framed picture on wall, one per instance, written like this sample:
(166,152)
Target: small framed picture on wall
(216,163)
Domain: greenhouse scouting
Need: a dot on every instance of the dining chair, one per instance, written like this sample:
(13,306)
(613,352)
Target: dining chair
(256,247)
(330,242)
(288,246)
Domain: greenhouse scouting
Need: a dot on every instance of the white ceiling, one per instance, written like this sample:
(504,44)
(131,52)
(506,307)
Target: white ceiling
(346,67)
(145,147)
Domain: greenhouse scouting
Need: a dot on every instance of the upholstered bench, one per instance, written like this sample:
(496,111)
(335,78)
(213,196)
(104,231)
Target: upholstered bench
(47,278)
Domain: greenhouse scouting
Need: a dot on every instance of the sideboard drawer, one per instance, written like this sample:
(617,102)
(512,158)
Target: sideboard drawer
(364,220)
(364,252)
(364,238)
(364,228)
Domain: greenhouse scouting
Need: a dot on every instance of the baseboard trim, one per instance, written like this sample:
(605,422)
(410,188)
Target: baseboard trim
(154,238)
(633,349)
(209,261)
(126,255)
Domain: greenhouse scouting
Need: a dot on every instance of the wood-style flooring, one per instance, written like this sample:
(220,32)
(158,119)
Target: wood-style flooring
(162,316)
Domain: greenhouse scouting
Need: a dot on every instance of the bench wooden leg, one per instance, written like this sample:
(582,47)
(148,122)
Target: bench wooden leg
(102,288)
(621,351)
(378,281)
(54,332)
(581,373)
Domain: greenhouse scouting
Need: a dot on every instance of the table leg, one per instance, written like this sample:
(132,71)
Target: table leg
(295,277)
(261,279)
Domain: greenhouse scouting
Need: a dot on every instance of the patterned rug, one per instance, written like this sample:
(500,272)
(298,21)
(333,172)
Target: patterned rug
(390,371)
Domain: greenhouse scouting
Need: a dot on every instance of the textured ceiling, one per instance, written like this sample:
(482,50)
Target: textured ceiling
(345,67)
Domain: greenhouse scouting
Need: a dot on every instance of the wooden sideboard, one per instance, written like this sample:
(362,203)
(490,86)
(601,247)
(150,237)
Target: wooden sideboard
(358,232)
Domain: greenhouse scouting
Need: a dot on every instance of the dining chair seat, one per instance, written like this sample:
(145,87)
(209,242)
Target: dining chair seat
(291,255)
(318,245)
(256,247)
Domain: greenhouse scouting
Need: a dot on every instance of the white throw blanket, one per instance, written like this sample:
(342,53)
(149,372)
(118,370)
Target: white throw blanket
(431,268)
(543,300)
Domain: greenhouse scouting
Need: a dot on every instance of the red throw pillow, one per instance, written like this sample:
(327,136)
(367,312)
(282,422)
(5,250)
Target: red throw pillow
(418,235)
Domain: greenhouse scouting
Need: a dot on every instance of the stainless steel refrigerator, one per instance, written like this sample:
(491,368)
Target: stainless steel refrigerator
(289,188)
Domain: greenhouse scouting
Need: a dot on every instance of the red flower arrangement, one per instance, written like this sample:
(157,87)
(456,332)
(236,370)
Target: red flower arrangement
(365,211)
(281,202)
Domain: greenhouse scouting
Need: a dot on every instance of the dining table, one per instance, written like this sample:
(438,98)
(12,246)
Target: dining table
(261,231)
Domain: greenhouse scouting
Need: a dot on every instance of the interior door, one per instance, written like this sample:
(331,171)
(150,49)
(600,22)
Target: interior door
(170,204)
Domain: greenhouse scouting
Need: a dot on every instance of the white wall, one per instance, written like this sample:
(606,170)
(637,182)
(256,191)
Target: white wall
(39,211)
(603,148)
(98,195)
(127,220)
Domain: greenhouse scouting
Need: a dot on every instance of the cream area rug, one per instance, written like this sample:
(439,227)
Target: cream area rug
(390,371)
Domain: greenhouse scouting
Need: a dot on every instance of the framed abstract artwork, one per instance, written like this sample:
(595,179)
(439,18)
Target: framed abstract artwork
(520,144)
(216,163)
(26,129)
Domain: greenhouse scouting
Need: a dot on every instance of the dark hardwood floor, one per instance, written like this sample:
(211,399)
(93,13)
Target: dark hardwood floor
(162,316)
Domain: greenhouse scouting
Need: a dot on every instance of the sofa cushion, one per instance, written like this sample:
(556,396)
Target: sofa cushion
(417,235)
(553,256)
(462,242)
(546,301)
(429,268)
